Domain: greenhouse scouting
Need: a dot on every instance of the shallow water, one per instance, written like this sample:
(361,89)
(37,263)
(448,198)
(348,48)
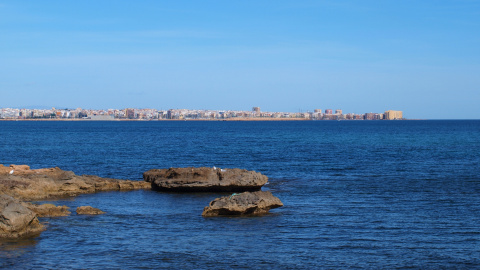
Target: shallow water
(367,194)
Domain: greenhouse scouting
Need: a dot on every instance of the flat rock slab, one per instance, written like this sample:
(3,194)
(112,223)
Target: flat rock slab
(88,210)
(16,220)
(204,179)
(243,204)
(48,210)
(21,182)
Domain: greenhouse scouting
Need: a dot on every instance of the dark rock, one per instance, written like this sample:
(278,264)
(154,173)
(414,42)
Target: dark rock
(88,210)
(243,204)
(16,220)
(204,179)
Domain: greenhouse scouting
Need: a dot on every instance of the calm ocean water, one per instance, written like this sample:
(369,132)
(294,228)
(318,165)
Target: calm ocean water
(367,194)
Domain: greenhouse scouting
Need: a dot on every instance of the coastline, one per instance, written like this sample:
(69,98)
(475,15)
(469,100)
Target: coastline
(267,119)
(179,120)
(204,120)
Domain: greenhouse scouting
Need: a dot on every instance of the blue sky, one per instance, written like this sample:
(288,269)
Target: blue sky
(421,57)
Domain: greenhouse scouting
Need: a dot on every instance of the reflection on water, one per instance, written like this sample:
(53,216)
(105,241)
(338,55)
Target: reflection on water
(16,248)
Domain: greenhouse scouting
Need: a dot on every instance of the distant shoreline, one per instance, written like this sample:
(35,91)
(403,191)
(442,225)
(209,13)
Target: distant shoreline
(259,119)
(154,120)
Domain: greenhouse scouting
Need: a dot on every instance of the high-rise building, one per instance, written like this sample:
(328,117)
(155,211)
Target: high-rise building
(393,115)
(369,116)
(170,114)
(339,112)
(329,111)
(256,109)
(130,113)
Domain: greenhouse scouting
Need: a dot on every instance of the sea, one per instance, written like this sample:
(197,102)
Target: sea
(356,195)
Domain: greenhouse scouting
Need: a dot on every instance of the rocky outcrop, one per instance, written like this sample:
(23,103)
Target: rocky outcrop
(204,179)
(243,204)
(19,219)
(23,183)
(16,220)
(88,210)
(48,210)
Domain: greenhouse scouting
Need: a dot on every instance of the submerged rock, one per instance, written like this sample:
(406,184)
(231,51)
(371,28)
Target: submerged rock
(23,183)
(16,220)
(88,210)
(204,179)
(247,203)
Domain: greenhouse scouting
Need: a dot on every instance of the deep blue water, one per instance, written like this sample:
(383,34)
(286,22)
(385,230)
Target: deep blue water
(366,194)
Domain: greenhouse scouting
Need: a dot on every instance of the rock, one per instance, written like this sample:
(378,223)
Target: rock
(12,169)
(16,220)
(27,184)
(48,210)
(88,210)
(247,203)
(204,179)
(19,181)
(20,167)
(4,170)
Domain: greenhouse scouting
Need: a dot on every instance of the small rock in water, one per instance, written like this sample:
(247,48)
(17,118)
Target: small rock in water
(247,203)
(88,210)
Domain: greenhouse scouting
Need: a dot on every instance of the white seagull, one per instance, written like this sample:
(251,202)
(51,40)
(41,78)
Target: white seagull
(11,172)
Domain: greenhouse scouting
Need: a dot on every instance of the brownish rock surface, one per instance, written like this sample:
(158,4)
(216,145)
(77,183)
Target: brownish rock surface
(16,220)
(247,203)
(204,179)
(23,183)
(88,210)
(48,210)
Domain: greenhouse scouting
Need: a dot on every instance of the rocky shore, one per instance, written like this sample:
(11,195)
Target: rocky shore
(21,182)
(19,185)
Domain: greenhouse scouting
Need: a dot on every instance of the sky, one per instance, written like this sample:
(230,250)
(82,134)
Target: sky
(420,57)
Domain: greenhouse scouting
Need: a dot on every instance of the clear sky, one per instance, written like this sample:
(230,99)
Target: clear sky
(421,57)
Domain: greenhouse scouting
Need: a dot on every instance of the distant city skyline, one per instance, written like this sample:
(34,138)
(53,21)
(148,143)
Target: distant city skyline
(188,114)
(247,108)
(420,57)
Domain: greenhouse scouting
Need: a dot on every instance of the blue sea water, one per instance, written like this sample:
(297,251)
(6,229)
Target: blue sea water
(357,194)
